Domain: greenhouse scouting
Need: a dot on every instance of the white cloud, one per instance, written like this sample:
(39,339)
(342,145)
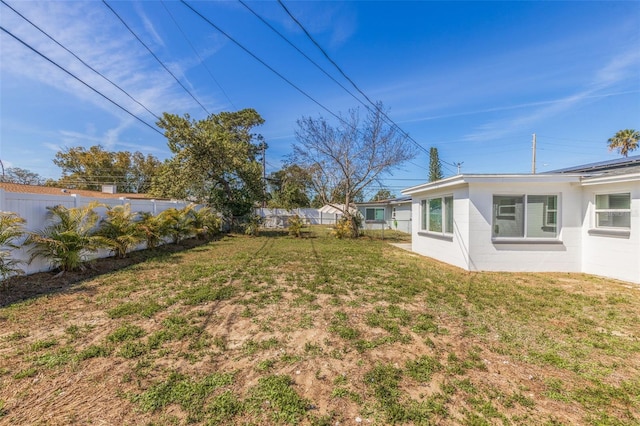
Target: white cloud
(52,146)
(92,32)
(615,72)
(148,25)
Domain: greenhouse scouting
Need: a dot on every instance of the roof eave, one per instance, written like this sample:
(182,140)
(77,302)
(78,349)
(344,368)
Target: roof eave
(599,180)
(491,178)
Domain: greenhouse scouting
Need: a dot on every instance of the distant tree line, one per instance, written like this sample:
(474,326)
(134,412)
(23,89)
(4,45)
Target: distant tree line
(217,161)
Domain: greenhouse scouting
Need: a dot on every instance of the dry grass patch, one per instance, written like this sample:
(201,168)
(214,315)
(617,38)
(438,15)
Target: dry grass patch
(279,330)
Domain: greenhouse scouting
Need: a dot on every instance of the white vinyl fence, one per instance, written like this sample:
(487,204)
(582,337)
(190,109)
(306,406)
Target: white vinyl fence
(33,209)
(279,218)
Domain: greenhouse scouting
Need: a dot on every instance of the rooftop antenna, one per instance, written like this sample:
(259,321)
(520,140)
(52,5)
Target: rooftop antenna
(458,165)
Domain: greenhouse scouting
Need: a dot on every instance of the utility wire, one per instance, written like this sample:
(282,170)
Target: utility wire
(237,43)
(326,55)
(302,53)
(81,81)
(79,59)
(276,72)
(196,52)
(155,56)
(286,79)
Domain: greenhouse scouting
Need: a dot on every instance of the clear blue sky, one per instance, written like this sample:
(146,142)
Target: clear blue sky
(474,79)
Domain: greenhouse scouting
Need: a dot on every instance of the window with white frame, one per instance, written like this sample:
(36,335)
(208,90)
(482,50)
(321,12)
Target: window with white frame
(525,216)
(374,213)
(437,215)
(613,210)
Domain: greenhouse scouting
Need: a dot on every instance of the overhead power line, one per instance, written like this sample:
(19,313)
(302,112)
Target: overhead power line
(269,67)
(80,80)
(301,52)
(155,56)
(373,104)
(197,54)
(78,58)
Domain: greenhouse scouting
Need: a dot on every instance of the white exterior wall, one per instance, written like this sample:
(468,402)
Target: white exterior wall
(579,246)
(33,208)
(616,256)
(309,215)
(453,249)
(563,255)
(403,217)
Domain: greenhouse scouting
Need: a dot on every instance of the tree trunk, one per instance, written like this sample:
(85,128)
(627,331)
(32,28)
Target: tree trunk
(353,224)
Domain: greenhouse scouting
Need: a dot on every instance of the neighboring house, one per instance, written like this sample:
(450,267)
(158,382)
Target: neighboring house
(108,191)
(581,219)
(332,213)
(394,213)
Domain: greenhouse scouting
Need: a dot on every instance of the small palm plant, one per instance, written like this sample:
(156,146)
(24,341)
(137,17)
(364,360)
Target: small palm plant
(120,231)
(179,223)
(10,230)
(68,239)
(206,223)
(295,226)
(252,225)
(152,228)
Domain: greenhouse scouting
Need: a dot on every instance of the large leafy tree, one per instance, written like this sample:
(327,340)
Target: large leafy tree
(346,158)
(289,187)
(91,168)
(214,161)
(624,141)
(382,194)
(22,176)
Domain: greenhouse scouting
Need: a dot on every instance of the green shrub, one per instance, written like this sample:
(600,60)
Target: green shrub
(10,230)
(348,227)
(252,225)
(206,223)
(152,228)
(177,224)
(69,238)
(295,226)
(120,230)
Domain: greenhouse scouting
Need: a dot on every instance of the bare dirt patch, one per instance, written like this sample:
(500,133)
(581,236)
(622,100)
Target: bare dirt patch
(276,330)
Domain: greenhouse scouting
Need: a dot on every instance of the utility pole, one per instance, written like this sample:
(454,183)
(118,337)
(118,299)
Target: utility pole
(533,157)
(264,175)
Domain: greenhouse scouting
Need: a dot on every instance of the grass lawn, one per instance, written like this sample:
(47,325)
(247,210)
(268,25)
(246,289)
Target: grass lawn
(316,331)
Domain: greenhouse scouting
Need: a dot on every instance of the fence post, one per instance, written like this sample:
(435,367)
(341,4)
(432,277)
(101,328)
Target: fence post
(2,199)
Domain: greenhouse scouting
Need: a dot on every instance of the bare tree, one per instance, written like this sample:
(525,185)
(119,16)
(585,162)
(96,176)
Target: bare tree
(343,160)
(22,176)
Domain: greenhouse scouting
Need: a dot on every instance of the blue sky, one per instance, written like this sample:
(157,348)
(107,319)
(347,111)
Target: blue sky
(474,79)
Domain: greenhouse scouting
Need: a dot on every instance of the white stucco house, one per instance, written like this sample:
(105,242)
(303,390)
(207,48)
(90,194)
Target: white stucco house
(394,213)
(580,219)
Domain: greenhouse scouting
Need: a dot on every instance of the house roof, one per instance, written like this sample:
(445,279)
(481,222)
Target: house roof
(334,209)
(603,166)
(463,179)
(397,200)
(50,190)
(619,170)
